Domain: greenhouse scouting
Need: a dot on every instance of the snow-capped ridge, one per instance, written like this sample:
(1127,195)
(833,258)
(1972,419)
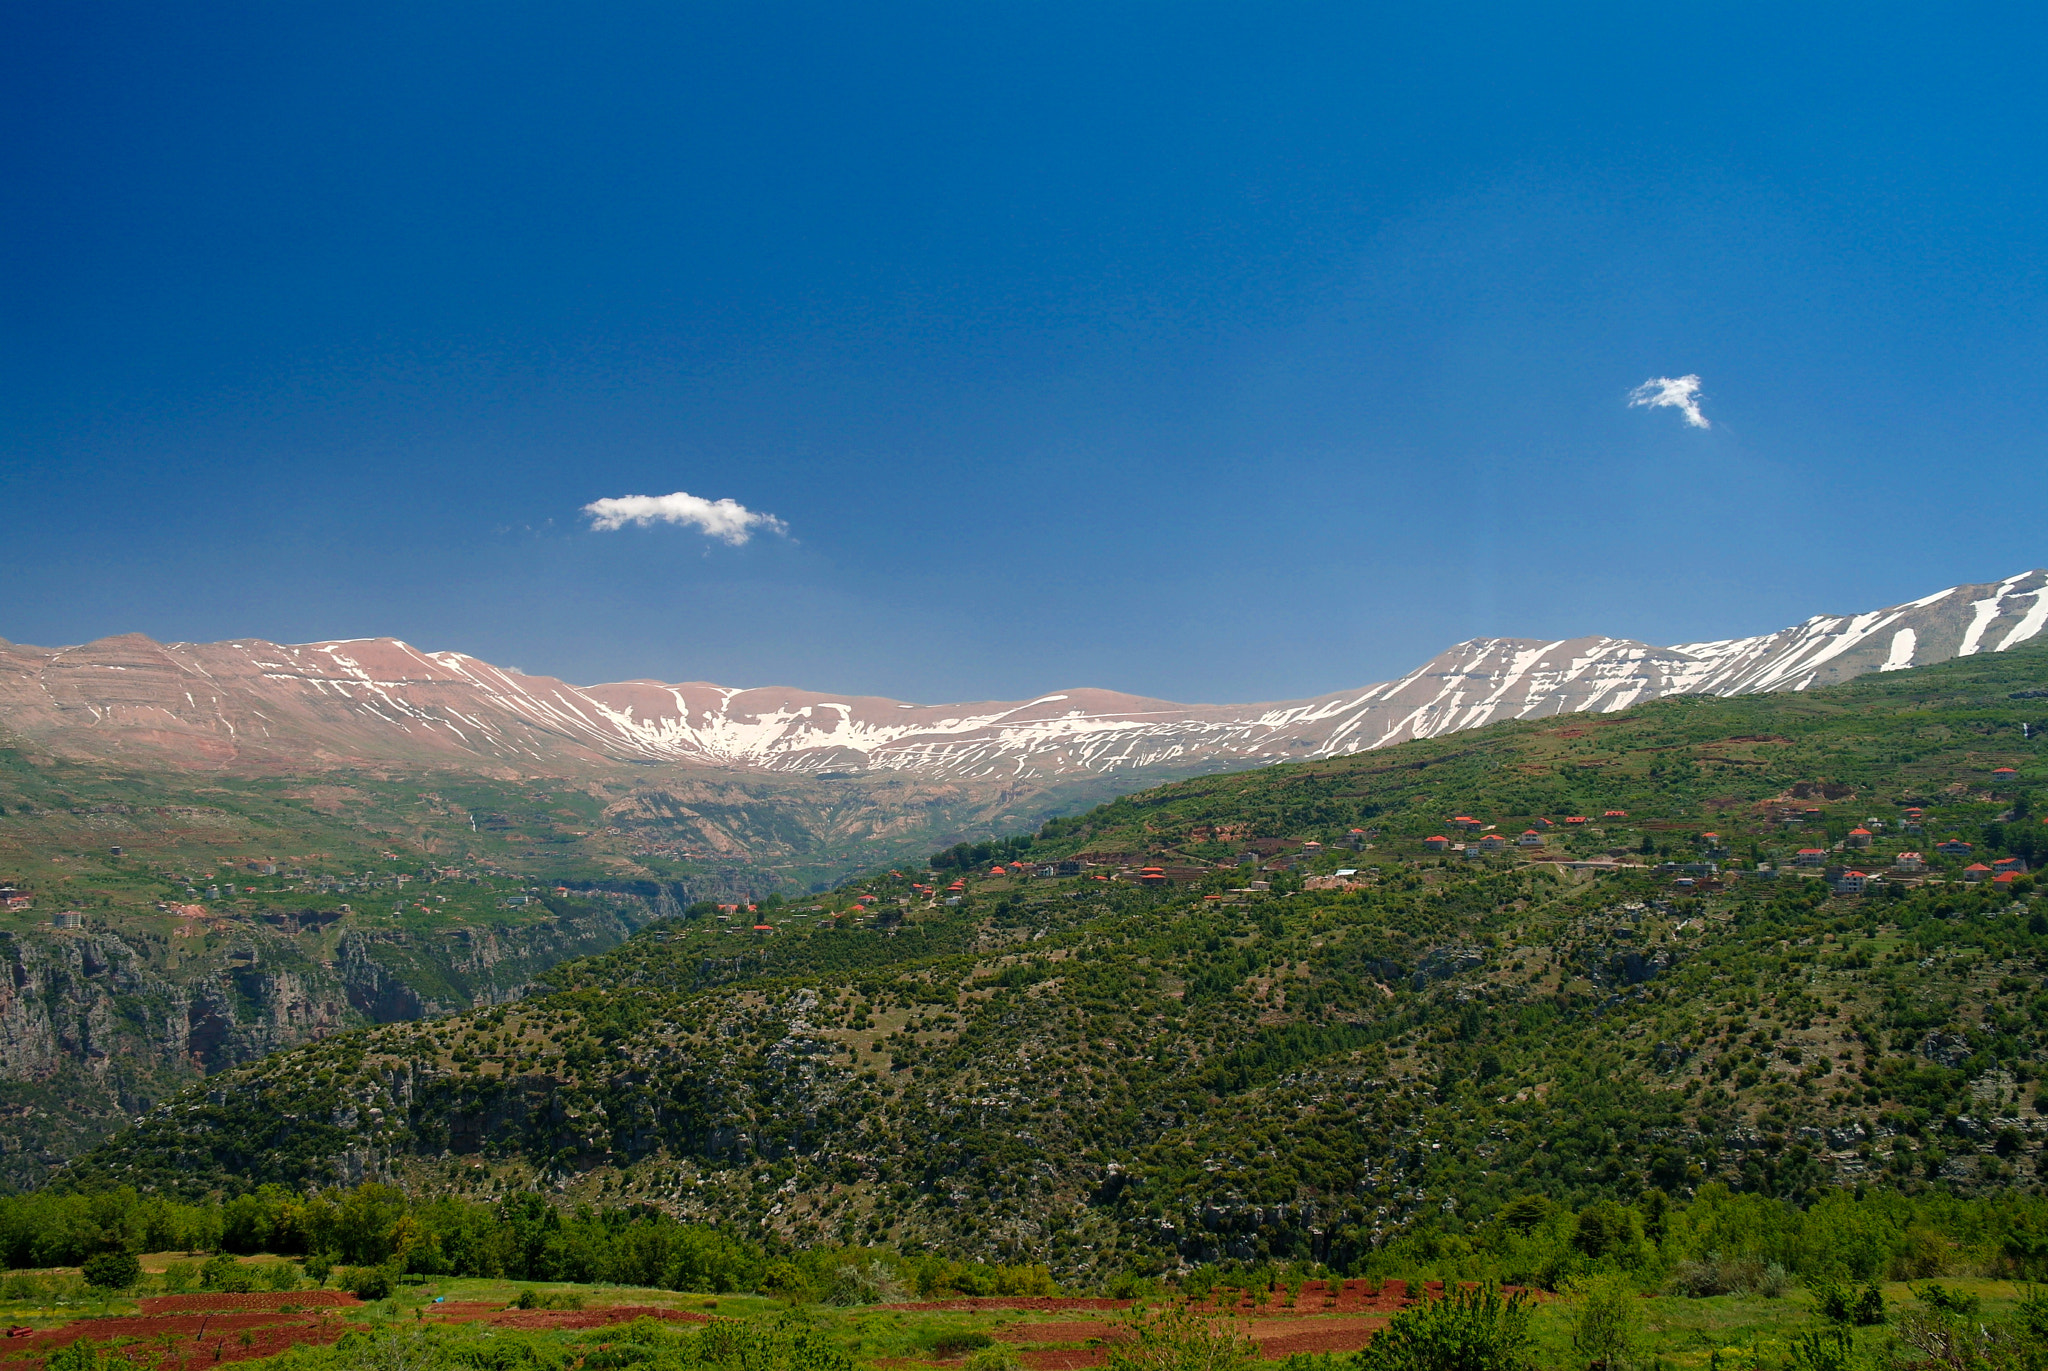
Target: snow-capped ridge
(253,702)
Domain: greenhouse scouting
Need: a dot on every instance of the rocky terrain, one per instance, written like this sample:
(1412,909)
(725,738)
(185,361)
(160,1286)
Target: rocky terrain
(100,1022)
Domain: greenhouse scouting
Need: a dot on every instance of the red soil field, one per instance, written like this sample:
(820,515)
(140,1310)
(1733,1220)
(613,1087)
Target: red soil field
(977,1304)
(302,1299)
(189,1332)
(185,1341)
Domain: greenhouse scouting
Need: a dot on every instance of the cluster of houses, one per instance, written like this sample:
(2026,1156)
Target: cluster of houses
(1500,842)
(2004,871)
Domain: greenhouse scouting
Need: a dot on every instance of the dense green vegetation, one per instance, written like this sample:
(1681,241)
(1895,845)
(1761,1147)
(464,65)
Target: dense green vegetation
(1860,1271)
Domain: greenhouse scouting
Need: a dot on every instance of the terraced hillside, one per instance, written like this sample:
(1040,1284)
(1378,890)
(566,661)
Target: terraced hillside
(1111,1069)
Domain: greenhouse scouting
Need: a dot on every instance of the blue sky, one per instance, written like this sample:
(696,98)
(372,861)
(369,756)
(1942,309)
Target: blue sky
(1209,352)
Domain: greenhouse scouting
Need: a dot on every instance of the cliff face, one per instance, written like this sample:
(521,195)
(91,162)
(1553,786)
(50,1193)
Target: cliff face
(96,1027)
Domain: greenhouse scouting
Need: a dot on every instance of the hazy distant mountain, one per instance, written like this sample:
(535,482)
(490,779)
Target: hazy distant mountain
(249,703)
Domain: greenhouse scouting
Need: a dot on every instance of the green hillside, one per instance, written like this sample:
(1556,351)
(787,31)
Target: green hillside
(320,902)
(1104,1075)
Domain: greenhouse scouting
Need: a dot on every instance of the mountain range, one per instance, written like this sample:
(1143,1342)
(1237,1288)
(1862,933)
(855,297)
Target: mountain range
(1124,1055)
(250,704)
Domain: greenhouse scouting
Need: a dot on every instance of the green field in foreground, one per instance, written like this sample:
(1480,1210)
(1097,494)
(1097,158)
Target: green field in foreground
(1727,1332)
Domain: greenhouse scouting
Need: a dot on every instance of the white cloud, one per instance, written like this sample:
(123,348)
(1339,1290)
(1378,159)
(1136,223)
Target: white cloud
(1681,393)
(727,520)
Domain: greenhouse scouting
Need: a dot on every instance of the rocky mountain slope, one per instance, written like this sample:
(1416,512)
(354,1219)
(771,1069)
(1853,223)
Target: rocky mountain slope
(1112,1070)
(100,1022)
(255,704)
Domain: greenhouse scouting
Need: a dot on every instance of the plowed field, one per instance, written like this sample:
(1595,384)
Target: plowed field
(188,1332)
(287,1301)
(184,1341)
(979,1304)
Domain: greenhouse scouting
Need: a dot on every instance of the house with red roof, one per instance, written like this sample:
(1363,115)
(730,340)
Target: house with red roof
(1850,883)
(2009,865)
(1977,871)
(1909,861)
(1810,856)
(2005,880)
(1530,838)
(1859,837)
(1954,847)
(1436,844)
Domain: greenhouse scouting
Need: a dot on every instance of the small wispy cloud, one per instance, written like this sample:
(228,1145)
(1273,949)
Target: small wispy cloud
(1681,393)
(727,520)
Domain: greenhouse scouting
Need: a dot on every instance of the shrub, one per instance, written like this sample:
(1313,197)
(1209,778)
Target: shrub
(787,1279)
(956,1342)
(22,1287)
(762,1346)
(994,1357)
(1522,1215)
(223,1272)
(83,1355)
(1923,1253)
(1946,1301)
(371,1282)
(112,1270)
(530,1298)
(1607,1320)
(1603,1230)
(1840,1304)
(1823,1349)
(1466,1330)
(868,1282)
(1715,1274)
(180,1276)
(1177,1340)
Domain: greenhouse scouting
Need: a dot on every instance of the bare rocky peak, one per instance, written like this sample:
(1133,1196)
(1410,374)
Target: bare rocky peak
(253,704)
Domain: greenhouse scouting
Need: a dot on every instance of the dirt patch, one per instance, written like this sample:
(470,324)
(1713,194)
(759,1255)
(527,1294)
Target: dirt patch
(1319,1297)
(186,1342)
(189,1332)
(287,1300)
(1063,1359)
(1077,1331)
(976,1304)
(1335,1335)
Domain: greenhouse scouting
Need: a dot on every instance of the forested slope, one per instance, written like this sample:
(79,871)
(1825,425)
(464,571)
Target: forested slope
(1106,1075)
